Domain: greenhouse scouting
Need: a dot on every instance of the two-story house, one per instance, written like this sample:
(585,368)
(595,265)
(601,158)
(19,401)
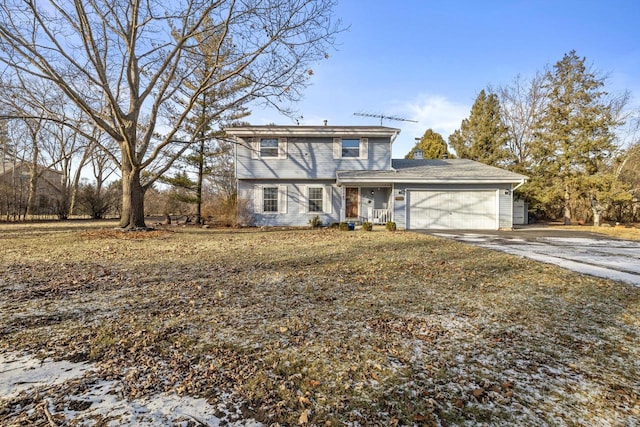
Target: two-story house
(346,173)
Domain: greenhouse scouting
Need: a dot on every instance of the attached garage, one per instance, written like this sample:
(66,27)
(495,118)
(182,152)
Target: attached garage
(449,210)
(443,194)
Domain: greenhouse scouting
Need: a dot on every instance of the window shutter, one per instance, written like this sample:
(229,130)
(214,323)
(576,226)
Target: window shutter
(282,198)
(255,148)
(328,199)
(304,195)
(337,148)
(282,148)
(257,198)
(364,148)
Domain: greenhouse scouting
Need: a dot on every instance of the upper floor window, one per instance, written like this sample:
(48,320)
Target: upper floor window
(268,147)
(350,148)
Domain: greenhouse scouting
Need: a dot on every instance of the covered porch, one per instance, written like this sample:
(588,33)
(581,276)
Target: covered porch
(366,203)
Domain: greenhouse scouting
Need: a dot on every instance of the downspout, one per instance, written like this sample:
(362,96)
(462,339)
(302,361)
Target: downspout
(393,184)
(235,174)
(393,138)
(235,162)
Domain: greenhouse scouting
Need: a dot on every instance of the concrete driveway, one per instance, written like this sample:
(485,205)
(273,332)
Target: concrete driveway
(583,252)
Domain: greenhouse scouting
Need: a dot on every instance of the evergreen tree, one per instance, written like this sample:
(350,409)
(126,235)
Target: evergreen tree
(216,107)
(483,136)
(574,135)
(432,144)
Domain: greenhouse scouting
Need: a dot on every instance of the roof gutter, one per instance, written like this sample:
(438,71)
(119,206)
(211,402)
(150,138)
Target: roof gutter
(315,131)
(400,180)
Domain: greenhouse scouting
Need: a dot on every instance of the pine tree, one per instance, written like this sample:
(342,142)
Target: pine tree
(483,136)
(432,144)
(206,121)
(574,135)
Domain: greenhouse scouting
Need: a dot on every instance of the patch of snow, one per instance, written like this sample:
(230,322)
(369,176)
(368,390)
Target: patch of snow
(24,373)
(156,410)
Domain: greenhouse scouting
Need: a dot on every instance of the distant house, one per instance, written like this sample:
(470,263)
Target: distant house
(14,190)
(346,173)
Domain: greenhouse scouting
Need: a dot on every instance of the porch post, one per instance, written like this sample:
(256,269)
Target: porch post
(343,206)
(392,202)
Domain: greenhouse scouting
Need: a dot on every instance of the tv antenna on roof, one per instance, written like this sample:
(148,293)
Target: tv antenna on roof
(384,116)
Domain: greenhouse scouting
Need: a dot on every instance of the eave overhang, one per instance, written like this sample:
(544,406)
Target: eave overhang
(404,180)
(313,131)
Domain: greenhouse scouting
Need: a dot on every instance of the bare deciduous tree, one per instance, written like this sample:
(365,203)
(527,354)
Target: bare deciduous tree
(124,62)
(520,103)
(60,138)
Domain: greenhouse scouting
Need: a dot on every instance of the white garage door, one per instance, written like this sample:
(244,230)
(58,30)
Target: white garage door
(448,210)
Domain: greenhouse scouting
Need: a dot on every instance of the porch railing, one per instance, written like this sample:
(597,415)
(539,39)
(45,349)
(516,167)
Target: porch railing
(379,216)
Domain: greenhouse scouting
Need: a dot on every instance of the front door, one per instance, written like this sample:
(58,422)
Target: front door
(351,201)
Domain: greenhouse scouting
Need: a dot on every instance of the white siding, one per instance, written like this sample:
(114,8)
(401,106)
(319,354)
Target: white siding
(445,209)
(282,199)
(309,158)
(282,148)
(505,197)
(292,203)
(257,198)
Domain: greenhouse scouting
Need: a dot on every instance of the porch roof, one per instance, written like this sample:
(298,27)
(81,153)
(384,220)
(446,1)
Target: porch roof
(433,171)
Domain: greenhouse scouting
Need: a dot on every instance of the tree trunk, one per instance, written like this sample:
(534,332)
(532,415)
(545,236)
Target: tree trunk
(567,206)
(132,215)
(199,183)
(33,189)
(63,202)
(597,208)
(596,217)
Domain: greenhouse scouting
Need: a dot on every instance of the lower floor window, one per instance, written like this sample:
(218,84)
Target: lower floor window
(270,199)
(315,199)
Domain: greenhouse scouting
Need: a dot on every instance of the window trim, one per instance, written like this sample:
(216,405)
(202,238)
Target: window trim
(256,148)
(327,199)
(258,206)
(363,148)
(315,200)
(276,148)
(276,199)
(354,150)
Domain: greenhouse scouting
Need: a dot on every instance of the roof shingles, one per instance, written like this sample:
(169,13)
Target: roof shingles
(434,170)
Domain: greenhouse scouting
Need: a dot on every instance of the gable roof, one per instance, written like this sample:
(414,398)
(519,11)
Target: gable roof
(450,171)
(313,131)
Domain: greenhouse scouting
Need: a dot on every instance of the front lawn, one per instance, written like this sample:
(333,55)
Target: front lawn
(321,327)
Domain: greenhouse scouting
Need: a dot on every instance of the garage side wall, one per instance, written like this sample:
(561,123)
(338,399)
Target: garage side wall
(401,195)
(505,201)
(399,205)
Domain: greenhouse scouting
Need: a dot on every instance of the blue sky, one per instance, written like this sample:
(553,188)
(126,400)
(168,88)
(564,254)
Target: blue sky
(427,60)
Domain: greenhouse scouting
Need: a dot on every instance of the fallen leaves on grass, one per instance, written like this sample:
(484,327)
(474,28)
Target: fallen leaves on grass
(315,327)
(125,234)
